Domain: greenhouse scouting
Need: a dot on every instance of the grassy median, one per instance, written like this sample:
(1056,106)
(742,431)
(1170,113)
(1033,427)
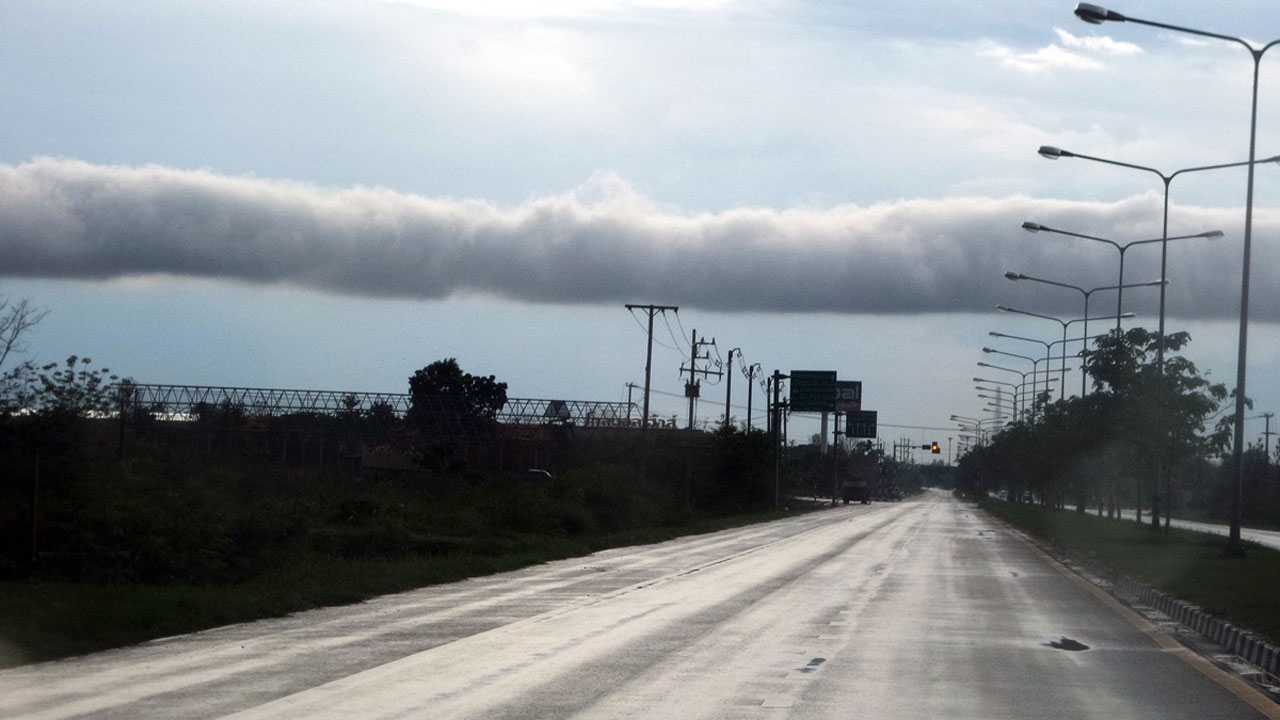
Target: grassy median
(1186,564)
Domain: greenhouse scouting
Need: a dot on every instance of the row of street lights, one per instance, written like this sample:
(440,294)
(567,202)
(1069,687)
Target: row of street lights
(1095,14)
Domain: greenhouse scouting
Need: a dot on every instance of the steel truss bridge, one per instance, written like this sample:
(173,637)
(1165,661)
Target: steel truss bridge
(191,402)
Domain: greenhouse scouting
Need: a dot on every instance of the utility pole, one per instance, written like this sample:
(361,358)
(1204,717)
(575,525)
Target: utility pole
(630,386)
(1266,442)
(775,425)
(648,360)
(751,381)
(691,389)
(728,390)
(835,453)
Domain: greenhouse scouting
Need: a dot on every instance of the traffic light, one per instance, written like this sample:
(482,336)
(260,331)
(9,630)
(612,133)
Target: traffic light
(935,449)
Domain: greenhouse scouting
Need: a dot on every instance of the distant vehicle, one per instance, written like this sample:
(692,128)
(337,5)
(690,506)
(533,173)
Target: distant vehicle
(855,490)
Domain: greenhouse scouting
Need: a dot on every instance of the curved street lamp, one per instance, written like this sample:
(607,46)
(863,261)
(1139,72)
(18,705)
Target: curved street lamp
(1084,335)
(1018,393)
(1033,372)
(1096,15)
(1037,227)
(1053,153)
(1064,324)
(1035,364)
(975,426)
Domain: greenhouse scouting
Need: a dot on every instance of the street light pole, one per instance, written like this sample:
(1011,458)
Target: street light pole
(1064,323)
(1023,375)
(1034,363)
(1037,227)
(1097,15)
(1053,153)
(1084,336)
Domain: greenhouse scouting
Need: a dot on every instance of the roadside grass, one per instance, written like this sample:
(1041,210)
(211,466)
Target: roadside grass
(46,619)
(1186,564)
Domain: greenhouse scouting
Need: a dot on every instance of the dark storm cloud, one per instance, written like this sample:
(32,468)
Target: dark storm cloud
(601,243)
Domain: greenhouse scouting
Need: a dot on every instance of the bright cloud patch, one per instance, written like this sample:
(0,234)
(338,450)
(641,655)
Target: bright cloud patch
(1103,45)
(1046,58)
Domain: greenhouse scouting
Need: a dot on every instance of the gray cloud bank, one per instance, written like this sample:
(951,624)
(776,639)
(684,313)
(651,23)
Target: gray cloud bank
(605,243)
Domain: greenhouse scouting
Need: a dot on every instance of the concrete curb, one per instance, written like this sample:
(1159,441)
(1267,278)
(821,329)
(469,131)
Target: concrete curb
(1240,642)
(1243,643)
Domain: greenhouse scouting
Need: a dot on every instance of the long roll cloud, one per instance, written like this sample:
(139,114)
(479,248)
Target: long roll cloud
(604,242)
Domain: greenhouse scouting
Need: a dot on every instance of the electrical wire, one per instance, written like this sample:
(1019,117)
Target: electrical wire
(681,343)
(645,330)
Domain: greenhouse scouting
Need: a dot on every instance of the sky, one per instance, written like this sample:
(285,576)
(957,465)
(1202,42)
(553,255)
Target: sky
(333,194)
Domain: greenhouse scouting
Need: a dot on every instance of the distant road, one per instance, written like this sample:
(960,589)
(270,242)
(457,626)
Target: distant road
(1270,538)
(919,609)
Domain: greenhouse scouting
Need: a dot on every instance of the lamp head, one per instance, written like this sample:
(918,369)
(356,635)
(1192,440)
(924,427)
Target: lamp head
(1053,153)
(987,350)
(1212,234)
(1096,14)
(1014,276)
(1033,227)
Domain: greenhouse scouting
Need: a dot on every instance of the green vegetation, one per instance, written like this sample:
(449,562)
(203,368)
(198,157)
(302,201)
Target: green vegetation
(1144,437)
(47,619)
(1188,565)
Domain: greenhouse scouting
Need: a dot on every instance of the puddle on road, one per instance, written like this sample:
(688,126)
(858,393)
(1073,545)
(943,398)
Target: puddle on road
(1066,643)
(813,665)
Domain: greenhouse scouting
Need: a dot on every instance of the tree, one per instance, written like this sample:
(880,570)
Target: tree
(1139,417)
(16,319)
(445,400)
(71,390)
(1162,411)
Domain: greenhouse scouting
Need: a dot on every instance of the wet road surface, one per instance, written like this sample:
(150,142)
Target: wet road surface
(919,609)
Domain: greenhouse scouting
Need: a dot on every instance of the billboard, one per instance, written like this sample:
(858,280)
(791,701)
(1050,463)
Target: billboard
(848,396)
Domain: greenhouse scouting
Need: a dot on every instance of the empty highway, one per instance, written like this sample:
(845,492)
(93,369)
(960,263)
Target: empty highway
(918,609)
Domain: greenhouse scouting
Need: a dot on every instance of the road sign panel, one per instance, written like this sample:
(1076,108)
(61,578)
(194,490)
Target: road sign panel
(813,390)
(861,424)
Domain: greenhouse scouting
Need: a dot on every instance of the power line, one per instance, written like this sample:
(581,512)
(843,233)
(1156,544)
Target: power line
(680,343)
(642,329)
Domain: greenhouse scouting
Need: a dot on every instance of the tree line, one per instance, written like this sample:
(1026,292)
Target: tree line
(1150,439)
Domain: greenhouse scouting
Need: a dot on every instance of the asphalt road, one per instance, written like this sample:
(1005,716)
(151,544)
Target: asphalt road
(919,609)
(1269,538)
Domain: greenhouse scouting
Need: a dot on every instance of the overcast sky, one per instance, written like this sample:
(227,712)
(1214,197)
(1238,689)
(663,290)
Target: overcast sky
(333,194)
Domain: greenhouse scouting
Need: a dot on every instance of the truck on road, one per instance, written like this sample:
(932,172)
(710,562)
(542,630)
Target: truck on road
(855,490)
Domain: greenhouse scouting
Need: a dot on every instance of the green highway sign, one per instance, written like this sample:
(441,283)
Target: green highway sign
(813,391)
